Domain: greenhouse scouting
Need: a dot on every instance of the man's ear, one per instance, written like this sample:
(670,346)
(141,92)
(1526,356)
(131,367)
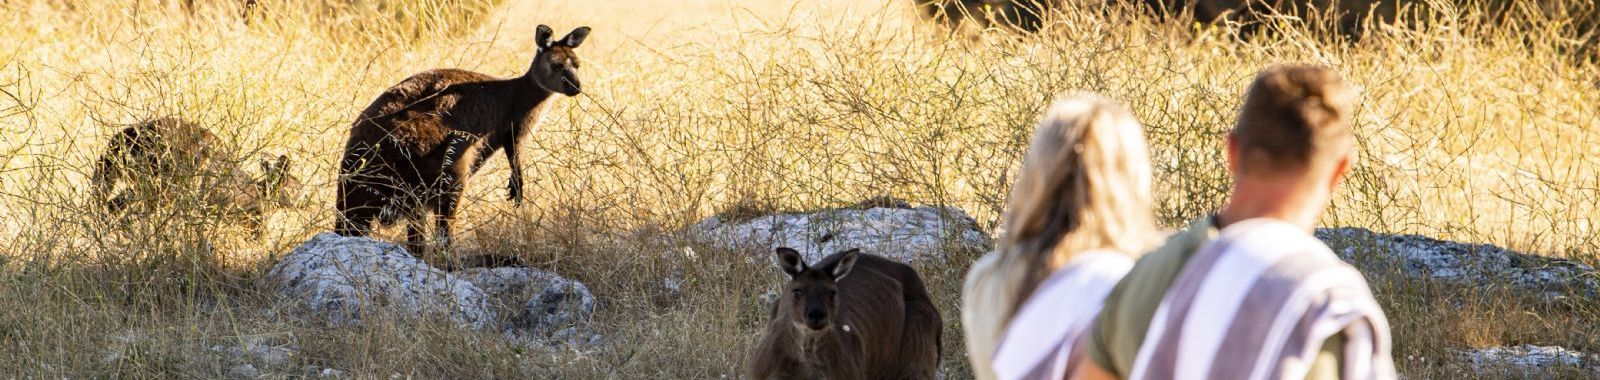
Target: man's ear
(790,261)
(846,262)
(1235,159)
(1340,169)
(542,35)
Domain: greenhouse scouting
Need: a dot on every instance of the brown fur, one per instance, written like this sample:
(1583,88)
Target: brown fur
(155,158)
(411,151)
(894,329)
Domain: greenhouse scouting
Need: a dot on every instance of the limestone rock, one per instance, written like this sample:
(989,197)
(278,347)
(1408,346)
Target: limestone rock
(539,303)
(1530,358)
(907,234)
(1417,256)
(338,279)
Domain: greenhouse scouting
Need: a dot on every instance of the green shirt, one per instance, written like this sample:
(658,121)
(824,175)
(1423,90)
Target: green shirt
(1120,329)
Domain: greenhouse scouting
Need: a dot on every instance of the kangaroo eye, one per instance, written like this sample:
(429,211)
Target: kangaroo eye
(798,293)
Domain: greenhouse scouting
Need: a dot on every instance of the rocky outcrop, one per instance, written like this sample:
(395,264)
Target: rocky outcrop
(898,231)
(339,280)
(1422,257)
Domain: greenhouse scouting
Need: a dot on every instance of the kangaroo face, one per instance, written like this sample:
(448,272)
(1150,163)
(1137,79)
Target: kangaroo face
(813,292)
(555,67)
(276,182)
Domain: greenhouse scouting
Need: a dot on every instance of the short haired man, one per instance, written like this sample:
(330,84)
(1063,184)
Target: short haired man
(1248,292)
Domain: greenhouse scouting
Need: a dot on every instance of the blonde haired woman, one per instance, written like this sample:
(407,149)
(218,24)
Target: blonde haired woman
(1078,215)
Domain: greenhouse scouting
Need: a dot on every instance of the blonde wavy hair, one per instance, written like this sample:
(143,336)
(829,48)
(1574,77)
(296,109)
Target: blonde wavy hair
(1084,185)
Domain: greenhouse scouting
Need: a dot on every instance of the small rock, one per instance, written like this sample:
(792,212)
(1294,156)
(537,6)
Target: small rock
(330,373)
(338,278)
(672,284)
(904,233)
(1535,359)
(244,371)
(542,302)
(120,344)
(257,350)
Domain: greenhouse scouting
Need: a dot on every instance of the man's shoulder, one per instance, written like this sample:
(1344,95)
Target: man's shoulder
(1120,328)
(1166,261)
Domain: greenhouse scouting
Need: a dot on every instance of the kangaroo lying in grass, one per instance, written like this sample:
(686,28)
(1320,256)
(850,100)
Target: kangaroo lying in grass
(158,161)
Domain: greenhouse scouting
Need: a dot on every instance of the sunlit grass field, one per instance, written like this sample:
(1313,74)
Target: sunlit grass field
(1467,131)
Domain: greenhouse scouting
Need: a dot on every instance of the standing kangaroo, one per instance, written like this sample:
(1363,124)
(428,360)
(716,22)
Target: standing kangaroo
(165,156)
(412,150)
(852,316)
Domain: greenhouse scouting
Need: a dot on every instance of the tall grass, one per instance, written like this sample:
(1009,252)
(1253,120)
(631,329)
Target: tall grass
(1468,130)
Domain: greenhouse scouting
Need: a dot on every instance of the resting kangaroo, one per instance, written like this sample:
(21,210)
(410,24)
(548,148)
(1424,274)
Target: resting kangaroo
(852,316)
(411,151)
(155,158)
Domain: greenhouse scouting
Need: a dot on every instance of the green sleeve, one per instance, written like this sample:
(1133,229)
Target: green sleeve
(1098,347)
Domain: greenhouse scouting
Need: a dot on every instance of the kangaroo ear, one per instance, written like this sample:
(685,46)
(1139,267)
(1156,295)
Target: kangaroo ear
(575,38)
(283,162)
(542,35)
(842,268)
(790,261)
(266,166)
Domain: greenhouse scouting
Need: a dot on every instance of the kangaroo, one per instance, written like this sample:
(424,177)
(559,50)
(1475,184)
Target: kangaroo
(154,158)
(412,150)
(852,316)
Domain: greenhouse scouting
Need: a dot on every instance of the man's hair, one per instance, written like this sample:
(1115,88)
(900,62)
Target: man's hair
(1292,115)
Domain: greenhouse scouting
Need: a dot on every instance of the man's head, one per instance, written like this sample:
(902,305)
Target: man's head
(1292,142)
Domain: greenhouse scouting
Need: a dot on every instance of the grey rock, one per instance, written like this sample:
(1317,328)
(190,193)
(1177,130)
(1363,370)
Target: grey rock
(540,303)
(906,234)
(1527,357)
(255,349)
(120,343)
(1422,257)
(244,371)
(339,278)
(330,373)
(672,284)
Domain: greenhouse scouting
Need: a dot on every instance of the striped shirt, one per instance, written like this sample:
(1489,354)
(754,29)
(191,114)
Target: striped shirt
(1039,341)
(1258,303)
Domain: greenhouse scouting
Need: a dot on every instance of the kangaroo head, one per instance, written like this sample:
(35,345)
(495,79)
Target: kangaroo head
(555,68)
(276,182)
(813,290)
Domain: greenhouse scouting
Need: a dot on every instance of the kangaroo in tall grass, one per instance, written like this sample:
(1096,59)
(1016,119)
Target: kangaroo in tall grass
(156,160)
(852,316)
(412,150)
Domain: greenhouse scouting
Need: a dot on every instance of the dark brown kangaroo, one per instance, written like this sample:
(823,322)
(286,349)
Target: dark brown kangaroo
(158,158)
(852,316)
(411,152)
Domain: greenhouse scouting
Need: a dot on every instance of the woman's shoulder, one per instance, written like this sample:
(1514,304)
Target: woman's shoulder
(1100,264)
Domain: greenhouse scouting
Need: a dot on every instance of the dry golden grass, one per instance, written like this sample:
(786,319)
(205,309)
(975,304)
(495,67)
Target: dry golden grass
(1466,133)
